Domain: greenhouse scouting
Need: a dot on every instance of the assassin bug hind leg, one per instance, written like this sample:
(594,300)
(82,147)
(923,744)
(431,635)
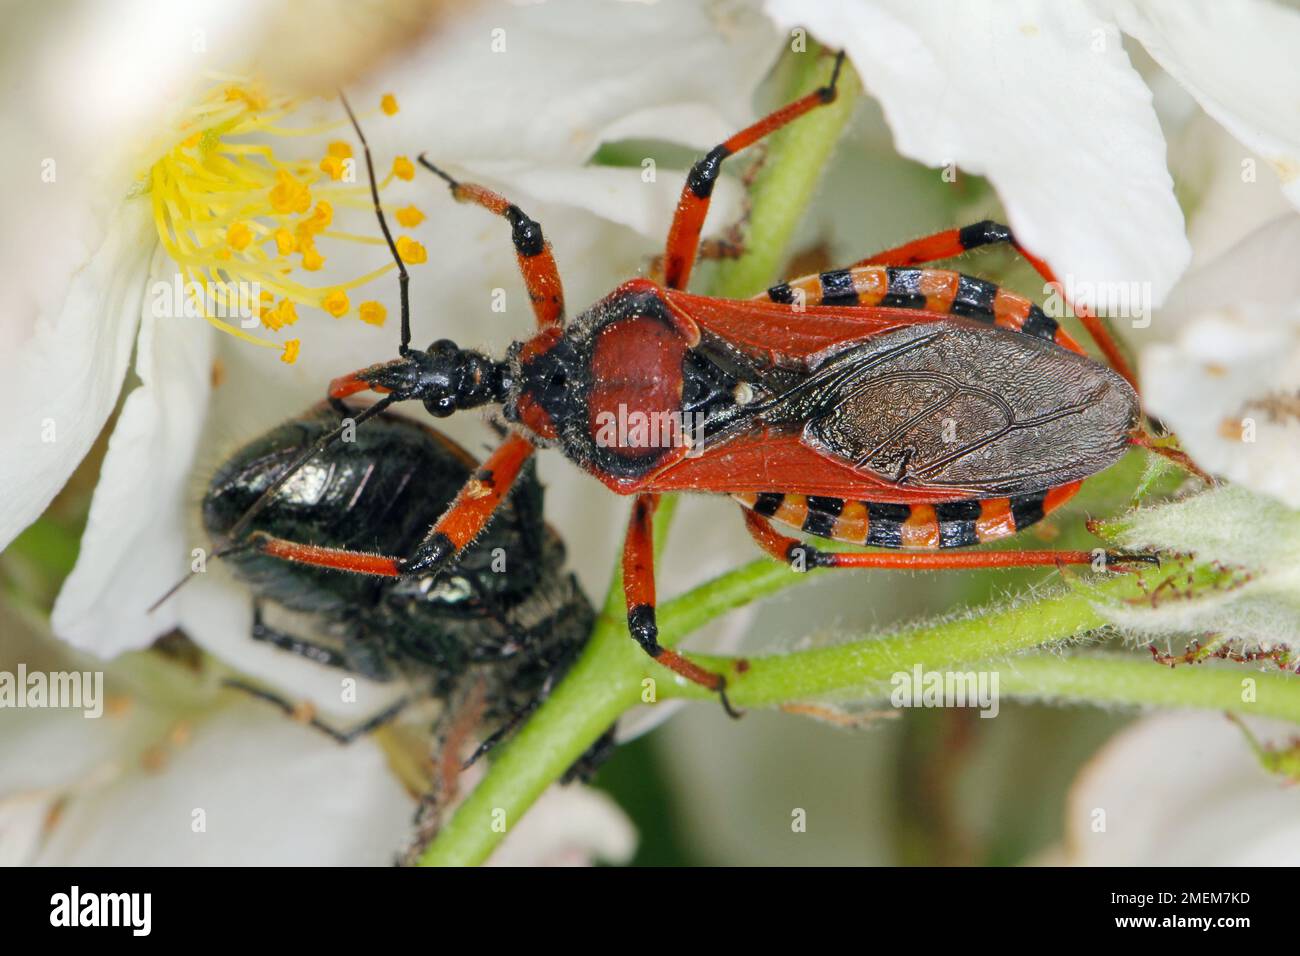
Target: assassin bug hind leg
(803,557)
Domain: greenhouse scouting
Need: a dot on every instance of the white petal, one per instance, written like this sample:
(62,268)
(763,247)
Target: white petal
(62,383)
(1040,98)
(545,82)
(1223,383)
(568,826)
(1238,61)
(1184,789)
(618,195)
(135,537)
(272,791)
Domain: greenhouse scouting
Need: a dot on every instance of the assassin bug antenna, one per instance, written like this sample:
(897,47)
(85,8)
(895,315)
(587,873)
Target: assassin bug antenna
(403,279)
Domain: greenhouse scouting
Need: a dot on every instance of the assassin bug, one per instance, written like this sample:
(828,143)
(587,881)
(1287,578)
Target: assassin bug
(884,404)
(509,617)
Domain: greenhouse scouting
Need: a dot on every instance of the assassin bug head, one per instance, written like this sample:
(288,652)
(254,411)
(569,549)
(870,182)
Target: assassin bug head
(444,377)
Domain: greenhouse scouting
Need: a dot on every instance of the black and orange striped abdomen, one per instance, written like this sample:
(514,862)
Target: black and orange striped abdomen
(941,291)
(921,527)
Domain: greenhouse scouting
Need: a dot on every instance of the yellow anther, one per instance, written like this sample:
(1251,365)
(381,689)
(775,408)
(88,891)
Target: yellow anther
(253,101)
(372,313)
(288,194)
(312,260)
(285,242)
(229,209)
(239,235)
(336,303)
(412,252)
(409,217)
(388,103)
(333,166)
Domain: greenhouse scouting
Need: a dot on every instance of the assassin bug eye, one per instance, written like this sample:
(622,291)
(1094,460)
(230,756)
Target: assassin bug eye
(441,406)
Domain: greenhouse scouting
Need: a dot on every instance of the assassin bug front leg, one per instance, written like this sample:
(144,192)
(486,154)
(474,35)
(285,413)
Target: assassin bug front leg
(912,409)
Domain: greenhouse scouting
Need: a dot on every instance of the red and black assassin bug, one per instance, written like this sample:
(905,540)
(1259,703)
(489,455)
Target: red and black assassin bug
(884,404)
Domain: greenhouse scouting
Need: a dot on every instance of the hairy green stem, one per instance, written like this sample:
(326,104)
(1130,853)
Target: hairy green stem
(1115,679)
(822,671)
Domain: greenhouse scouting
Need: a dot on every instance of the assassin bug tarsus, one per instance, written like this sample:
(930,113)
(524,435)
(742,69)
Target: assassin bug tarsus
(509,618)
(883,404)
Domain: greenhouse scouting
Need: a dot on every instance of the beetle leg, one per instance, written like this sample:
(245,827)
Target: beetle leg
(317,653)
(541,276)
(306,714)
(954,242)
(693,206)
(802,556)
(639,592)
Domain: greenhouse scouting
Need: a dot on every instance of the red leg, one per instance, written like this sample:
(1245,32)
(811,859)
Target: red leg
(541,276)
(639,591)
(954,242)
(340,559)
(459,525)
(805,556)
(474,506)
(684,235)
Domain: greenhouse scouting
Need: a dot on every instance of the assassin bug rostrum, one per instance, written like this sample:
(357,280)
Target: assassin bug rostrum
(509,617)
(884,404)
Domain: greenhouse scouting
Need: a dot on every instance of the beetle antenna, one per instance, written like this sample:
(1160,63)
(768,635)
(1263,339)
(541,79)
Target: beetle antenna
(403,280)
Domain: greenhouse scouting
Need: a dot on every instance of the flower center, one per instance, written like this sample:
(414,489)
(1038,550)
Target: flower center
(244,225)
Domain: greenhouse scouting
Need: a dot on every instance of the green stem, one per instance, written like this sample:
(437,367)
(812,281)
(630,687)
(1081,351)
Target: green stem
(764,681)
(1112,679)
(606,679)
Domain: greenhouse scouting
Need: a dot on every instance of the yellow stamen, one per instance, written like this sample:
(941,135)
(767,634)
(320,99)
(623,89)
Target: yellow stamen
(233,214)
(409,217)
(334,167)
(239,235)
(372,313)
(388,103)
(412,252)
(336,303)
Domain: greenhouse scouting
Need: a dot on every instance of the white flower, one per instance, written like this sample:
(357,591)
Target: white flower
(1184,789)
(516,115)
(1228,383)
(173,775)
